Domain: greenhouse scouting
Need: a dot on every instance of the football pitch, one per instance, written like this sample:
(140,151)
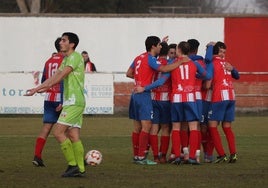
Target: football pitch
(111,136)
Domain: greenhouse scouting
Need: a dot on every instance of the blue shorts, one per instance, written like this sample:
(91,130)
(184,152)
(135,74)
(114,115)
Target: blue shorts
(222,111)
(184,111)
(161,111)
(140,107)
(50,113)
(206,106)
(199,104)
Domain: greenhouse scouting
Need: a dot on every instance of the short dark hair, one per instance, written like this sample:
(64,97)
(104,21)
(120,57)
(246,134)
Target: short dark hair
(84,52)
(73,38)
(172,45)
(194,44)
(164,49)
(185,47)
(151,41)
(57,44)
(219,45)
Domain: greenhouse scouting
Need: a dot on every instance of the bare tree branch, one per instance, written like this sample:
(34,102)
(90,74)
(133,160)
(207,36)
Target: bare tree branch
(35,6)
(47,6)
(263,4)
(22,6)
(29,6)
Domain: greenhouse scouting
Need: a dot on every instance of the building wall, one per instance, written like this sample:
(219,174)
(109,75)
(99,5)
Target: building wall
(250,97)
(113,43)
(247,45)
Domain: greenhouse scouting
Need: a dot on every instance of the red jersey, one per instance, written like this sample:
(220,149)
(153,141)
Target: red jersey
(206,95)
(222,85)
(162,93)
(183,82)
(90,67)
(143,73)
(51,66)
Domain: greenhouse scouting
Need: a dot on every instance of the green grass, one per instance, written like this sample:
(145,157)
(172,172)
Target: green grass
(111,135)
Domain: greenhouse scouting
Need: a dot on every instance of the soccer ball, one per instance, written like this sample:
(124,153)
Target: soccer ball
(93,157)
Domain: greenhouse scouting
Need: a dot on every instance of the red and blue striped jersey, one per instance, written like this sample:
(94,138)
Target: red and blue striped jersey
(144,67)
(51,66)
(222,85)
(183,82)
(162,93)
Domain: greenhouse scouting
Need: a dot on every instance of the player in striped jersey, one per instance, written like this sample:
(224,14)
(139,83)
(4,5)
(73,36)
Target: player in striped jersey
(172,52)
(222,107)
(161,109)
(52,104)
(140,109)
(202,100)
(183,106)
(194,44)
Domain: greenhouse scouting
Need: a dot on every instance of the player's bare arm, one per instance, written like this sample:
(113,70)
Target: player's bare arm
(56,78)
(165,39)
(59,108)
(130,73)
(207,84)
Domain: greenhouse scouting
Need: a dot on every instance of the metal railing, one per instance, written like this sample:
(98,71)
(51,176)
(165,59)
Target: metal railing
(174,9)
(253,73)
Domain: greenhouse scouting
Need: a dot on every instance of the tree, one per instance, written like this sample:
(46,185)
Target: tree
(128,6)
(29,6)
(191,6)
(263,4)
(214,6)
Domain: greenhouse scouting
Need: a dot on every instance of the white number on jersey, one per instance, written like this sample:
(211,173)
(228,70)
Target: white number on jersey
(137,67)
(52,68)
(184,70)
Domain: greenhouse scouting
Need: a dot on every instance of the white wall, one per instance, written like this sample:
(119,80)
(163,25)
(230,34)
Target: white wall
(112,43)
(98,91)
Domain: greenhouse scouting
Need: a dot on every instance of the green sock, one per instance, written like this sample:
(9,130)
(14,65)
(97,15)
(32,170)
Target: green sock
(67,149)
(79,155)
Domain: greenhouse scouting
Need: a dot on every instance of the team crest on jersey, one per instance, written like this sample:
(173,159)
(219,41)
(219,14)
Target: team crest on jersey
(63,114)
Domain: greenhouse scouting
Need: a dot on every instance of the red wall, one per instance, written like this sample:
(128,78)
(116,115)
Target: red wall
(247,46)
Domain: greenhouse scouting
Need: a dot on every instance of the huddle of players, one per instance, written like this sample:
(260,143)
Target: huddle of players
(193,93)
